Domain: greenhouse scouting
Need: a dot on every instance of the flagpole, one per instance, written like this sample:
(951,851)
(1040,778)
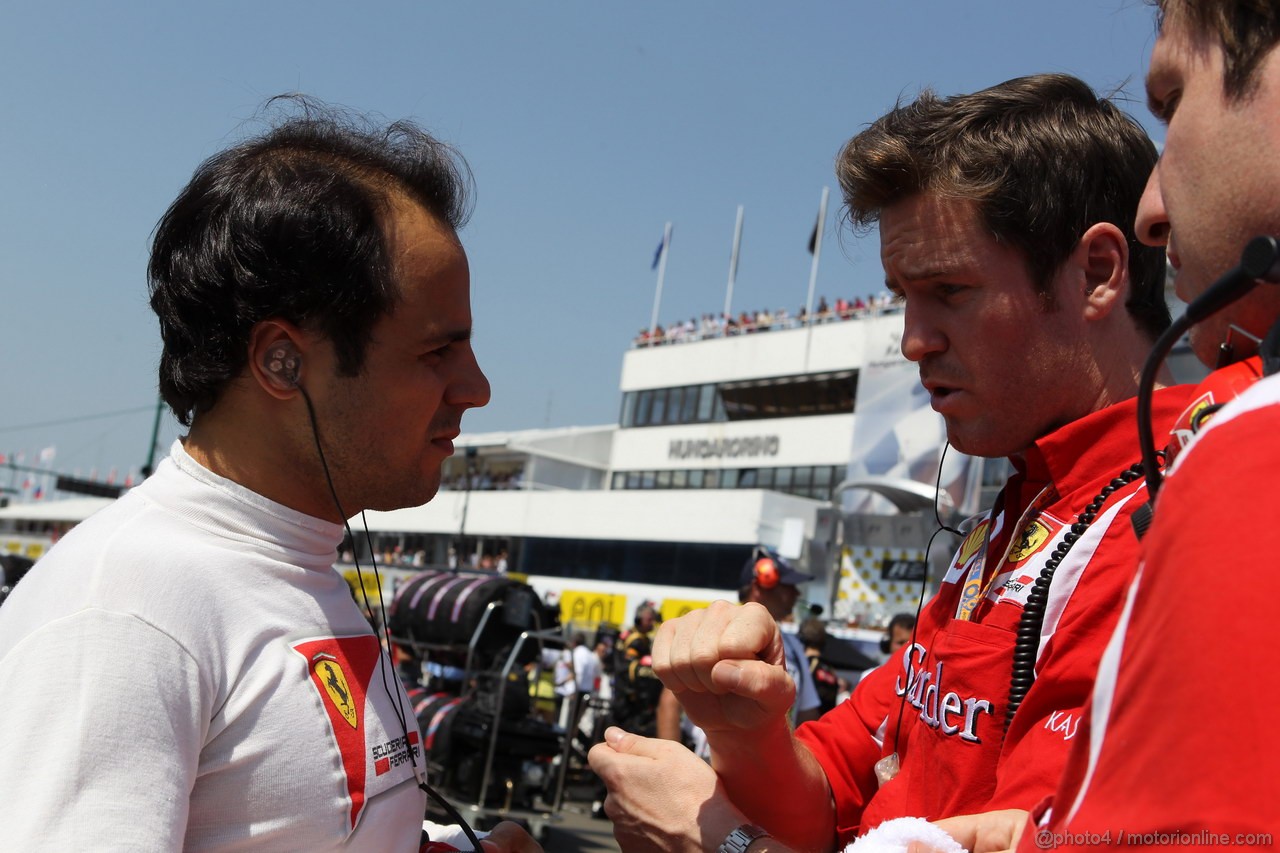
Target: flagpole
(733,262)
(662,273)
(150,468)
(813,270)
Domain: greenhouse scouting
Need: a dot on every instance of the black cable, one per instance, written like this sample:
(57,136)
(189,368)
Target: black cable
(1146,391)
(924,581)
(1260,261)
(394,699)
(1027,644)
(79,418)
(937,499)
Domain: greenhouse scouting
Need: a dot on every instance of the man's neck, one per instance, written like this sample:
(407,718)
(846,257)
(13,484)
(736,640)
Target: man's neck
(243,457)
(1120,355)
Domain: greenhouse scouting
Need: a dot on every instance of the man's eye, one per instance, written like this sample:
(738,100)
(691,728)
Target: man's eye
(1164,107)
(950,289)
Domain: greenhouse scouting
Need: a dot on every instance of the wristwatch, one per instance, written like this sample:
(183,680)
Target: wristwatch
(740,839)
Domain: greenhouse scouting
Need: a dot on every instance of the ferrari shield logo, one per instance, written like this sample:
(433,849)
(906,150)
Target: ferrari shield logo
(1033,536)
(1200,413)
(329,673)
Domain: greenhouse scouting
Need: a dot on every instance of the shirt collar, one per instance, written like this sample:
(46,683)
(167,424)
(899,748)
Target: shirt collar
(229,509)
(1101,443)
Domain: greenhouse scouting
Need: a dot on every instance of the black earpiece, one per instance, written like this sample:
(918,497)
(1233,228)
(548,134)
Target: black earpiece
(283,364)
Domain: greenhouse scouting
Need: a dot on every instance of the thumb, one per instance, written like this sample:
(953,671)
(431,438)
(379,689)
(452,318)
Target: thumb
(625,743)
(766,684)
(508,837)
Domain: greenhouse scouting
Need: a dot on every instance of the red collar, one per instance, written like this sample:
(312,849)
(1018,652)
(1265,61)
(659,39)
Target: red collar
(1098,445)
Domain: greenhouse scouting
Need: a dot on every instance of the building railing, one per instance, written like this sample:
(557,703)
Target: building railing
(719,326)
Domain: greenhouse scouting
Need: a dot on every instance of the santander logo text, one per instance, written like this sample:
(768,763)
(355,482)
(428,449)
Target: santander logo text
(950,712)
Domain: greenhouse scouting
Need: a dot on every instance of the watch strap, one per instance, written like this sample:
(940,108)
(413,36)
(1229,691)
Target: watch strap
(740,839)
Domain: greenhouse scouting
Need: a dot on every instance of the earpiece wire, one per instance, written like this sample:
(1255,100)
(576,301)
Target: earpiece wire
(394,699)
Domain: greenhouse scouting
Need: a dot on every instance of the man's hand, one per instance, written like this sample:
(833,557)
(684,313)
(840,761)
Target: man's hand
(725,665)
(508,837)
(987,832)
(662,797)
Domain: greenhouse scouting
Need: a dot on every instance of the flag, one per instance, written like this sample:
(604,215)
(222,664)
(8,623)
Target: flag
(39,495)
(657,253)
(128,480)
(111,478)
(47,455)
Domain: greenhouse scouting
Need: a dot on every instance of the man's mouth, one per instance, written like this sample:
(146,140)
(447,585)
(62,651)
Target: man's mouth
(444,440)
(941,395)
(938,388)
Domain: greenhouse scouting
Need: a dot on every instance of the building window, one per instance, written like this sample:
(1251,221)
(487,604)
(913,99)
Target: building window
(806,481)
(801,479)
(675,397)
(706,403)
(658,413)
(644,405)
(689,411)
(822,482)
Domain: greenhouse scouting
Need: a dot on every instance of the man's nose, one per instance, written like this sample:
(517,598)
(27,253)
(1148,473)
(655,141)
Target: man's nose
(1152,226)
(471,389)
(921,336)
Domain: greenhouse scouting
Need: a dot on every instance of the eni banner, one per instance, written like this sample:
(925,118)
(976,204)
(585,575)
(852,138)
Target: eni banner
(579,607)
(31,549)
(673,608)
(370,585)
(592,608)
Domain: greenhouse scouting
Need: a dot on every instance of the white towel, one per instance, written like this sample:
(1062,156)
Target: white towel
(893,836)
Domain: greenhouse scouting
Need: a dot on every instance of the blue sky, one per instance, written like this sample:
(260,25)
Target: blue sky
(587,125)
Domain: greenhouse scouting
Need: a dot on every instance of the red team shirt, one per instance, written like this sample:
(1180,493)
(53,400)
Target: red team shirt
(1181,745)
(952,685)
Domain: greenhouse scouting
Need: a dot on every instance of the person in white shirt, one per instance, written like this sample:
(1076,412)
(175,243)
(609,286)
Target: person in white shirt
(194,671)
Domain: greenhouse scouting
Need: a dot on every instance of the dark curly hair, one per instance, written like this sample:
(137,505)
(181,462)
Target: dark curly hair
(289,225)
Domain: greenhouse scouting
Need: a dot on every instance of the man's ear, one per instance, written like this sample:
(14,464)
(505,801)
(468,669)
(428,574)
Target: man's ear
(1102,257)
(275,357)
